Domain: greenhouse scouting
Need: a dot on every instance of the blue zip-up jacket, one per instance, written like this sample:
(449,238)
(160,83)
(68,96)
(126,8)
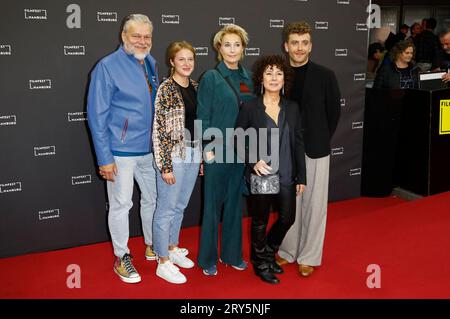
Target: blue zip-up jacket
(120,109)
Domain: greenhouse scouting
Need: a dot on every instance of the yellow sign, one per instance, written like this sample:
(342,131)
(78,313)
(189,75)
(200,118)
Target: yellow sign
(444,117)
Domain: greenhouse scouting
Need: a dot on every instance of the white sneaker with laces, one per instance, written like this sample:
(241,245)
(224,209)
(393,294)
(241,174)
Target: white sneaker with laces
(178,258)
(171,273)
(183,251)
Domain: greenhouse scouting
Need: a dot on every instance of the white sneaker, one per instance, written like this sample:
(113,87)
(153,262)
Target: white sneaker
(171,273)
(183,251)
(178,258)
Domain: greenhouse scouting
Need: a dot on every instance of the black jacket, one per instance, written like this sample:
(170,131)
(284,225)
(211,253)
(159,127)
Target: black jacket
(252,115)
(388,77)
(427,48)
(321,108)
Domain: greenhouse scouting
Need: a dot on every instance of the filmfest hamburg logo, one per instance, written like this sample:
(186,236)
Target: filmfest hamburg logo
(201,50)
(355,171)
(170,19)
(74,50)
(359,77)
(337,151)
(361,27)
(8,120)
(44,150)
(343,1)
(35,14)
(40,84)
(252,51)
(49,214)
(106,16)
(357,125)
(5,49)
(82,179)
(77,116)
(226,20)
(276,23)
(340,52)
(343,102)
(10,187)
(321,25)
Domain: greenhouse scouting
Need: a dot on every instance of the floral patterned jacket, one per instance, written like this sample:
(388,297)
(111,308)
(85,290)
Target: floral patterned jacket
(168,125)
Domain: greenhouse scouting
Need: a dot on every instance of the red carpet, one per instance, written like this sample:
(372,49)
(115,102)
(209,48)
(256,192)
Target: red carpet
(409,240)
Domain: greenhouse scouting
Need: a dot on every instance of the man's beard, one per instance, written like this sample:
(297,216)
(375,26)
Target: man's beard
(140,56)
(131,50)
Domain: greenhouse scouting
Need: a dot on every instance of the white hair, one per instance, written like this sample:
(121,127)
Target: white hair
(136,18)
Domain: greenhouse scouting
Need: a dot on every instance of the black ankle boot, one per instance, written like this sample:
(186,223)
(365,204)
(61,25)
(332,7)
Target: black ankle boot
(264,272)
(275,268)
(270,259)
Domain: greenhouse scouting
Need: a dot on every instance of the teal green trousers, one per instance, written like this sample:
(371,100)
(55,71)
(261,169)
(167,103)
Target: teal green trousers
(222,189)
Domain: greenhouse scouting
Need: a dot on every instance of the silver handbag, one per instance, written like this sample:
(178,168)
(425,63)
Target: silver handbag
(265,184)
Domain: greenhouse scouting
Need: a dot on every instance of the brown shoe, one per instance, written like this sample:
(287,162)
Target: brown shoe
(305,270)
(281,261)
(149,253)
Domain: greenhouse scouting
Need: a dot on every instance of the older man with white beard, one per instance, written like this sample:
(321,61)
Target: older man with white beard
(120,115)
(444,38)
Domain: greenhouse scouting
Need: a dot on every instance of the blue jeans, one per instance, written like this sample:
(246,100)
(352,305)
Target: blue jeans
(120,193)
(173,199)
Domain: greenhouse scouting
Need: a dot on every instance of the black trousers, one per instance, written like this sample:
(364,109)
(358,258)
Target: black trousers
(265,244)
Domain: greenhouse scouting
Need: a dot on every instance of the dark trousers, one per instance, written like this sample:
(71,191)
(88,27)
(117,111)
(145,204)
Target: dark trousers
(265,245)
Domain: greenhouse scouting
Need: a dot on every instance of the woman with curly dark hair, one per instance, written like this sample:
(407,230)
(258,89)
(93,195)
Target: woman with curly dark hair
(278,160)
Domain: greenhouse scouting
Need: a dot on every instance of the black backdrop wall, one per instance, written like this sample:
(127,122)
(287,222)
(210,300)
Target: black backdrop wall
(50,194)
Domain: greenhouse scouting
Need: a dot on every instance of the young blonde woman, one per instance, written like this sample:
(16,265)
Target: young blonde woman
(177,157)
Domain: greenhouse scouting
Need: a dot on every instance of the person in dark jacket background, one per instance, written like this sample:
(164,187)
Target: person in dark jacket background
(427,46)
(401,73)
(444,58)
(376,53)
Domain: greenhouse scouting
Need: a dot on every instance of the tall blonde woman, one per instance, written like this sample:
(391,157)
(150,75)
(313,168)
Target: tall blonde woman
(177,157)
(220,94)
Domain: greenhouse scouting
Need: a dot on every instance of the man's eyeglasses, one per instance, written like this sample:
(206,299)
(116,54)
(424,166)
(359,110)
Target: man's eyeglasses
(135,37)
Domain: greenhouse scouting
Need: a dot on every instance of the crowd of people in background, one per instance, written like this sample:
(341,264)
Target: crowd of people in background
(397,62)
